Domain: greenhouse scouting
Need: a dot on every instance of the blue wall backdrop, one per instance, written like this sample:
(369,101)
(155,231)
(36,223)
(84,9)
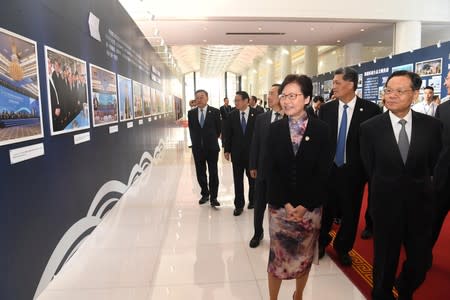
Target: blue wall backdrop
(373,74)
(41,198)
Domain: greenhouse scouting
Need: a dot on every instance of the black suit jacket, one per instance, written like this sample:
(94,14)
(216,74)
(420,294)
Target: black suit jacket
(393,183)
(363,111)
(310,112)
(205,138)
(298,179)
(441,175)
(259,109)
(237,143)
(258,147)
(224,111)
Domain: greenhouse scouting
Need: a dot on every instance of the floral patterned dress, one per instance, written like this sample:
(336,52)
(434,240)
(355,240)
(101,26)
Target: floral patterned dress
(293,245)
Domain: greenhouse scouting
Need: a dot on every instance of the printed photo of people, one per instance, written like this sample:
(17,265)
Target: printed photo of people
(20,103)
(146,97)
(429,67)
(104,96)
(125,98)
(67,92)
(137,100)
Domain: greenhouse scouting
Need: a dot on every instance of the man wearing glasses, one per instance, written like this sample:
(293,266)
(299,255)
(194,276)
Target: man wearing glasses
(347,179)
(399,150)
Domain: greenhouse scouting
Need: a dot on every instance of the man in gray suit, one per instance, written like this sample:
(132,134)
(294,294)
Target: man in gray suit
(258,161)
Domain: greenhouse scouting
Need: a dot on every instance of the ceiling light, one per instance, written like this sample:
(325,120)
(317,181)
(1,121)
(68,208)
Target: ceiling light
(379,42)
(205,28)
(250,41)
(204,41)
(338,41)
(362,29)
(259,28)
(312,29)
(295,41)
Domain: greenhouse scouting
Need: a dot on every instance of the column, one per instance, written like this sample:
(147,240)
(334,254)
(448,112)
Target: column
(285,62)
(311,60)
(352,54)
(270,61)
(407,36)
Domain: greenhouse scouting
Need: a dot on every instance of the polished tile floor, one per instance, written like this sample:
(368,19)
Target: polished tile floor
(158,243)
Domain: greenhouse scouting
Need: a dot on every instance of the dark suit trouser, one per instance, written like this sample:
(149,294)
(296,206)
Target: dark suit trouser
(367,216)
(238,178)
(260,205)
(201,158)
(392,227)
(440,212)
(345,194)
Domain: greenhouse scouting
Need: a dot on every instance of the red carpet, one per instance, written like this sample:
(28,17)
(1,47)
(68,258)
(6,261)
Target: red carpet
(437,283)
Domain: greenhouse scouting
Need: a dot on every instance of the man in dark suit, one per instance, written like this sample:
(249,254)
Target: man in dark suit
(259,161)
(442,171)
(313,109)
(254,104)
(204,129)
(399,149)
(347,179)
(225,109)
(238,136)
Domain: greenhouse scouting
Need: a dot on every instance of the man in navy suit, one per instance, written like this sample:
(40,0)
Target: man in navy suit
(205,129)
(399,150)
(442,171)
(259,161)
(238,136)
(347,179)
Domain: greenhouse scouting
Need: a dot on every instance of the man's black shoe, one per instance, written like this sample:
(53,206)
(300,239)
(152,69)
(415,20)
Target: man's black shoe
(254,242)
(366,234)
(214,202)
(321,251)
(345,259)
(203,200)
(237,211)
(251,206)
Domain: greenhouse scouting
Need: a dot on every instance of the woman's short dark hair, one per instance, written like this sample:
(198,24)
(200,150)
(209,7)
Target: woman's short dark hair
(303,81)
(416,81)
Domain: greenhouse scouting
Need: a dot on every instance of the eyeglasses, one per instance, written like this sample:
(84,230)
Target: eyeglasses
(388,91)
(290,96)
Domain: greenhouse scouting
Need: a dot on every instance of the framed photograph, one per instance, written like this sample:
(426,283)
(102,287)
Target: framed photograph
(429,67)
(137,100)
(407,67)
(20,101)
(67,92)
(147,101)
(103,96)
(125,98)
(159,99)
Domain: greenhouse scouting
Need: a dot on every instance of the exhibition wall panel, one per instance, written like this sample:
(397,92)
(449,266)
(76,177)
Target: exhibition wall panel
(68,149)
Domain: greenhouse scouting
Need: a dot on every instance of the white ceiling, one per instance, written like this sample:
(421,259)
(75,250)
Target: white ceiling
(213,45)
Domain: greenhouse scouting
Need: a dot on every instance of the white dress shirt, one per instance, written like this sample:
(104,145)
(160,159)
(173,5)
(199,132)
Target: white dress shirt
(425,108)
(397,126)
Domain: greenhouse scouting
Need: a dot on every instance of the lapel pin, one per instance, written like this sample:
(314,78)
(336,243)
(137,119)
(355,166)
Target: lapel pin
(361,109)
(252,115)
(306,138)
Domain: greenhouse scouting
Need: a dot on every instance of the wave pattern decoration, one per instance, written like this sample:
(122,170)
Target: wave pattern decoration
(104,198)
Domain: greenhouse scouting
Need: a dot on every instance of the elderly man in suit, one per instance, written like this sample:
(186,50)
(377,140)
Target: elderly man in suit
(205,129)
(347,179)
(399,150)
(258,160)
(238,136)
(442,171)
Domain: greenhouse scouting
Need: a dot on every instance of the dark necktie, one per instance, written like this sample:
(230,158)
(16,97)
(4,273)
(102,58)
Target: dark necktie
(243,122)
(342,137)
(403,143)
(202,118)
(277,116)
